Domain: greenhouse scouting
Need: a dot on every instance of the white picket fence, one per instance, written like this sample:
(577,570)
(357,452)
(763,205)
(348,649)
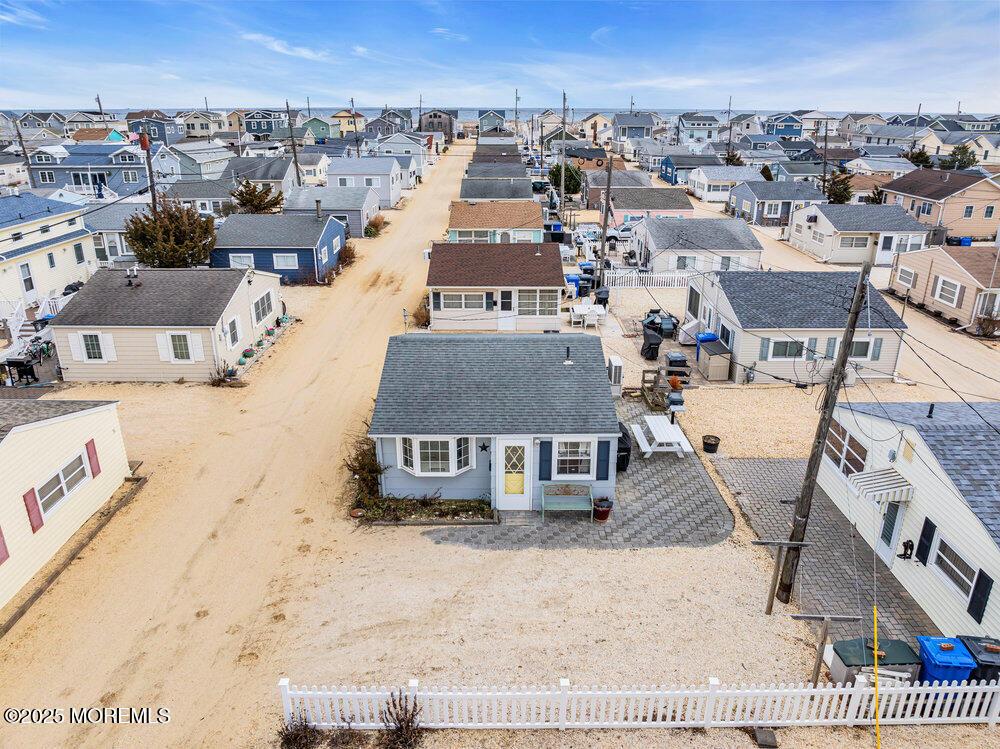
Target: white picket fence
(712,706)
(630,279)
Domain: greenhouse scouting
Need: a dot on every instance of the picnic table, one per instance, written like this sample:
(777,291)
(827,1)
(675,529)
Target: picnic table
(660,436)
(586,313)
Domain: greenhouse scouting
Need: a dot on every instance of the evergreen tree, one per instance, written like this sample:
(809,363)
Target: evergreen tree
(251,198)
(574,178)
(961,157)
(176,237)
(733,158)
(838,188)
(877,197)
(918,158)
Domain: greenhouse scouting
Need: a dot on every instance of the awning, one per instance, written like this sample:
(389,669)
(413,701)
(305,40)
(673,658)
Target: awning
(882,486)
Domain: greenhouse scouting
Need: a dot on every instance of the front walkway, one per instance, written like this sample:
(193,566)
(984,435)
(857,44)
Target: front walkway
(835,574)
(662,501)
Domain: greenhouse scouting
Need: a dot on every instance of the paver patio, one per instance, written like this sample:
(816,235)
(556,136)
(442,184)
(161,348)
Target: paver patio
(661,501)
(835,575)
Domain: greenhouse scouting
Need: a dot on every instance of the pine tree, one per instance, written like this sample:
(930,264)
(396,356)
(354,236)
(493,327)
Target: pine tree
(838,188)
(733,158)
(765,172)
(961,157)
(251,198)
(918,158)
(176,237)
(877,196)
(574,178)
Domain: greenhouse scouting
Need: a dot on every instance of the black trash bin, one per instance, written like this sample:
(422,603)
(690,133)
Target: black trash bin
(586,284)
(602,295)
(624,447)
(985,652)
(651,341)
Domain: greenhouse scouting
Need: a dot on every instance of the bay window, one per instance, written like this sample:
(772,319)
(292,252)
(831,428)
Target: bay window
(436,456)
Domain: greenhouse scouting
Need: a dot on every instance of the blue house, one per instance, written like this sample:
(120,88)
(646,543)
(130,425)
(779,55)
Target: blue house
(301,248)
(102,170)
(785,125)
(260,123)
(771,203)
(675,168)
(491,119)
(627,125)
(166,131)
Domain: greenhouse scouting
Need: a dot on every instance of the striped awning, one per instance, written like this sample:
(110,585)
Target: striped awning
(882,486)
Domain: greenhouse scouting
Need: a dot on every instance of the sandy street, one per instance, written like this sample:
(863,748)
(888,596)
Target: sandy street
(236,564)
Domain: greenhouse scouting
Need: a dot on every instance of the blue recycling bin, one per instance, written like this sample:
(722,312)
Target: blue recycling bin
(965,242)
(574,278)
(703,338)
(954,664)
(586,266)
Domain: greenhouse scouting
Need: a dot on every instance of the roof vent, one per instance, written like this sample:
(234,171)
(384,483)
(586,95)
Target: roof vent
(568,362)
(930,411)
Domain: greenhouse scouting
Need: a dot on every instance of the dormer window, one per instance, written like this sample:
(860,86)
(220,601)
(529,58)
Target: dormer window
(127,158)
(43,158)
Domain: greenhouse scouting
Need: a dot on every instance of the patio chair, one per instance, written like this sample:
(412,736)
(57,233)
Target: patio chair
(591,318)
(575,319)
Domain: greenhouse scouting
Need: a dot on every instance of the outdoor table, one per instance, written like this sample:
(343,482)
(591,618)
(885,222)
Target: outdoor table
(667,436)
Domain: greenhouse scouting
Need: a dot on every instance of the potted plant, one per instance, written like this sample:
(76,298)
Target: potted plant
(602,509)
(710,443)
(248,352)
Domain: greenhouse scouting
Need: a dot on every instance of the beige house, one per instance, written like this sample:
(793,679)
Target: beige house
(62,461)
(165,324)
(495,287)
(773,340)
(960,283)
(202,123)
(919,483)
(593,125)
(855,233)
(350,121)
(968,205)
(985,146)
(13,170)
(854,121)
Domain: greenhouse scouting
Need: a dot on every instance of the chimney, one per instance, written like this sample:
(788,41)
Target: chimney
(319,212)
(930,411)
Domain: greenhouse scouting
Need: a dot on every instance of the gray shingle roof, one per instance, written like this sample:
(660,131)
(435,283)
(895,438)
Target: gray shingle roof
(864,217)
(494,171)
(185,297)
(785,190)
(799,168)
(634,119)
(730,173)
(966,448)
(494,384)
(333,198)
(258,168)
(702,233)
(800,300)
(112,216)
(496,189)
(619,178)
(271,230)
(199,190)
(364,165)
(15,412)
(685,161)
(649,199)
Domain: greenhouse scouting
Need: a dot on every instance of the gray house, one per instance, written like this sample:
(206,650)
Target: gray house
(481,170)
(278,172)
(379,172)
(202,159)
(771,203)
(352,206)
(494,416)
(496,189)
(206,197)
(627,125)
(491,119)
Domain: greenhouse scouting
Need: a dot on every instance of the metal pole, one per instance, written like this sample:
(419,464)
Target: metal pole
(803,504)
(295,153)
(562,167)
(604,228)
(24,153)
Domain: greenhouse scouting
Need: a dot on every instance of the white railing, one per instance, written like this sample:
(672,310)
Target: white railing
(13,315)
(632,279)
(53,305)
(90,191)
(712,706)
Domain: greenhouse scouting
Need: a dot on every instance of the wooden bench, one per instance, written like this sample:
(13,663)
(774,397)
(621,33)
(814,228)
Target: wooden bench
(561,496)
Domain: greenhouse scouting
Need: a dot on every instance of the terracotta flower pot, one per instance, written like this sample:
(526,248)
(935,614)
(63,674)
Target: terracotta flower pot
(602,510)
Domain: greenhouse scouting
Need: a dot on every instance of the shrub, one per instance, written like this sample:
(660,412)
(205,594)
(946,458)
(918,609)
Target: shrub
(348,255)
(362,462)
(346,738)
(401,718)
(421,316)
(299,735)
(375,227)
(989,325)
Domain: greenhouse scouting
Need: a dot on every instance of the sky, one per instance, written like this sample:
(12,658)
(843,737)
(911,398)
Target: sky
(879,56)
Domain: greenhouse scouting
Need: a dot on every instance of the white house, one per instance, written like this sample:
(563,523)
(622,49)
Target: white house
(921,483)
(869,165)
(382,173)
(853,233)
(62,461)
(695,244)
(695,127)
(713,183)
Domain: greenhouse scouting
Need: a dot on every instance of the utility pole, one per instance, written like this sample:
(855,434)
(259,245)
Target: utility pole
(146,145)
(541,148)
(916,123)
(826,152)
(631,104)
(295,151)
(100,107)
(604,228)
(206,104)
(804,502)
(309,111)
(24,153)
(517,124)
(354,117)
(729,127)
(562,167)
(420,110)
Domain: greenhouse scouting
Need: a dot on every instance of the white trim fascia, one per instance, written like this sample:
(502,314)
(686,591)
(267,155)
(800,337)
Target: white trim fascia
(107,406)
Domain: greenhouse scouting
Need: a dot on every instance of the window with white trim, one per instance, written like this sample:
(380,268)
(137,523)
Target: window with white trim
(818,236)
(905,277)
(573,458)
(967,211)
(233,332)
(180,347)
(954,568)
(772,209)
(478,235)
(262,307)
(947,292)
(788,349)
(130,176)
(286,261)
(463,301)
(240,260)
(51,259)
(92,346)
(988,211)
(849,243)
(538,302)
(860,349)
(847,453)
(436,456)
(47,178)
(798,228)
(56,489)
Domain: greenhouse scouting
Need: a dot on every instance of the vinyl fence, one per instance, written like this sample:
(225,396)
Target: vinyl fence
(712,706)
(630,279)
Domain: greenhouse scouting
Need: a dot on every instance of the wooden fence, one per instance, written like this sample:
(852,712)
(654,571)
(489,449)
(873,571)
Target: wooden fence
(630,279)
(712,706)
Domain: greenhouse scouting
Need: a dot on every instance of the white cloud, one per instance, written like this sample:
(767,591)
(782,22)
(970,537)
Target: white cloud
(170,77)
(284,48)
(450,35)
(361,51)
(597,35)
(18,14)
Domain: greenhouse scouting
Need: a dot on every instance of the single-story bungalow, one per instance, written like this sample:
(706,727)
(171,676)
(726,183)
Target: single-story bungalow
(771,203)
(855,233)
(515,188)
(491,415)
(205,196)
(921,483)
(800,171)
(163,324)
(352,206)
(713,183)
(62,461)
(495,171)
(631,204)
(961,283)
(669,244)
(595,182)
(379,172)
(890,166)
(502,221)
(495,287)
(301,248)
(675,168)
(782,326)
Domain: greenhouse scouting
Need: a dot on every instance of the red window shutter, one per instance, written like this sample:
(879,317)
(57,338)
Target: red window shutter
(95,464)
(4,554)
(34,511)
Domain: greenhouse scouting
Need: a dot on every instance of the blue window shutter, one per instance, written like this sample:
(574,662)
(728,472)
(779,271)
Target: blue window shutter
(876,349)
(545,460)
(831,347)
(765,348)
(489,301)
(811,348)
(436,296)
(603,458)
(980,596)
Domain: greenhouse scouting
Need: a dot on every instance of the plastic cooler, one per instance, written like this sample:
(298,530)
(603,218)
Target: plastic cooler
(942,663)
(850,656)
(985,651)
